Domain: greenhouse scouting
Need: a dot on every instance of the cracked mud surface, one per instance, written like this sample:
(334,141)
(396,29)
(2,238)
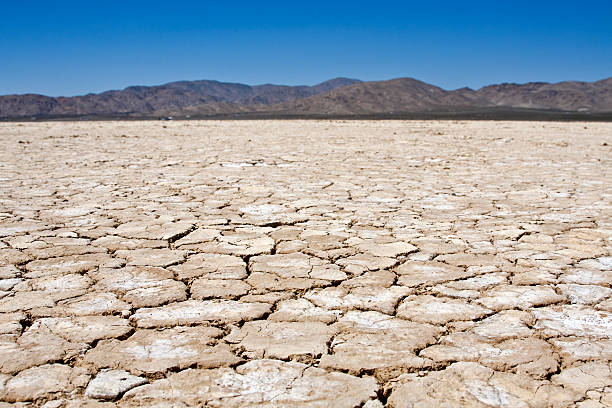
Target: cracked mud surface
(306,263)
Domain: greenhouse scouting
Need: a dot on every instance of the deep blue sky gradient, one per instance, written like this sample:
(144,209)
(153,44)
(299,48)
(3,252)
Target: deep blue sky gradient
(74,47)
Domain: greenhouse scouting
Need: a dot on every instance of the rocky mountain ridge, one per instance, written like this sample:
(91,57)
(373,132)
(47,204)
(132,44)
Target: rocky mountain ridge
(339,96)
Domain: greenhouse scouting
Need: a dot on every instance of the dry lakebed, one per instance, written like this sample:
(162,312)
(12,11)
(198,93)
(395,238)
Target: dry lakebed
(306,264)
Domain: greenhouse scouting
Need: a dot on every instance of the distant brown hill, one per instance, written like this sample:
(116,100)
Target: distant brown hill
(394,96)
(174,96)
(569,95)
(406,95)
(340,96)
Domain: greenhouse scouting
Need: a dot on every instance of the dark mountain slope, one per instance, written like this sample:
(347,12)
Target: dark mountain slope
(569,95)
(340,96)
(396,95)
(143,100)
(407,95)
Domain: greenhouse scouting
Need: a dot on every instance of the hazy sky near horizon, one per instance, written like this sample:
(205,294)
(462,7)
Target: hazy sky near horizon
(75,47)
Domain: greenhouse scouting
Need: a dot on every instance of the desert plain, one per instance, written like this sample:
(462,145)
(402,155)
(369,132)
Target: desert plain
(306,264)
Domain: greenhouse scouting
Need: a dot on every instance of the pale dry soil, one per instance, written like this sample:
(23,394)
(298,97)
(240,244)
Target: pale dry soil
(306,264)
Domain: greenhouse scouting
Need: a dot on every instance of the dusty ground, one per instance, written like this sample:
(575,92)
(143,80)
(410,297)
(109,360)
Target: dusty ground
(343,264)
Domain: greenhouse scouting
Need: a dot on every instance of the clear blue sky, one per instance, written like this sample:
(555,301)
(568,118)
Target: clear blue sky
(75,47)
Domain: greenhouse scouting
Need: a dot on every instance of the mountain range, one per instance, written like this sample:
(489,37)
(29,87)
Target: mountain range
(340,97)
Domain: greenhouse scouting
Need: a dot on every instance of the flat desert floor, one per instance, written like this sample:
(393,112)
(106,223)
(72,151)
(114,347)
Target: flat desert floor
(306,263)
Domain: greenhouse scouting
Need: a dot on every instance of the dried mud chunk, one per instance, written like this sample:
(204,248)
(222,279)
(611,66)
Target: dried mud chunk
(301,310)
(375,298)
(573,320)
(288,247)
(296,265)
(22,242)
(592,403)
(419,273)
(239,246)
(574,349)
(322,242)
(149,230)
(523,297)
(282,340)
(193,312)
(68,212)
(142,285)
(466,384)
(115,243)
(37,345)
(531,356)
(587,276)
(37,382)
(287,233)
(267,297)
(605,305)
(264,282)
(464,259)
(584,377)
(23,301)
(373,404)
(8,229)
(13,257)
(166,291)
(85,329)
(10,323)
(197,236)
(328,272)
(109,384)
(90,304)
(203,288)
(8,284)
(373,322)
(387,355)
(62,251)
(62,287)
(585,294)
(3,379)
(261,382)
(211,266)
(131,277)
(537,277)
(386,348)
(262,214)
(365,262)
(473,285)
(151,351)
(390,250)
(580,250)
(444,290)
(604,263)
(152,257)
(430,309)
(506,324)
(376,278)
(438,246)
(65,265)
(9,272)
(536,239)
